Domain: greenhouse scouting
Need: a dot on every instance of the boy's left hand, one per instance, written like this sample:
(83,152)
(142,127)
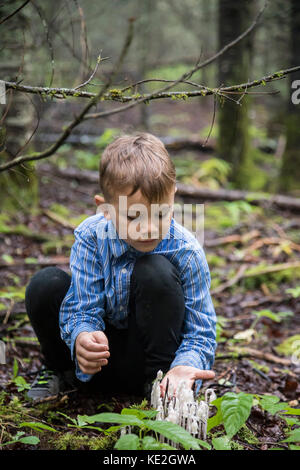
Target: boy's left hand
(187,373)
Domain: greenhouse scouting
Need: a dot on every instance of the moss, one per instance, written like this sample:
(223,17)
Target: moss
(19,189)
(179,96)
(69,441)
(73,441)
(103,443)
(136,95)
(115,93)
(245,434)
(236,446)
(144,405)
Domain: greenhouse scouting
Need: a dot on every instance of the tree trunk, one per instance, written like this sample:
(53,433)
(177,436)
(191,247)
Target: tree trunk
(19,186)
(233,143)
(290,170)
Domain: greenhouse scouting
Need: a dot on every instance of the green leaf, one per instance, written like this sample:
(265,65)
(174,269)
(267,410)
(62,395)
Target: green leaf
(289,346)
(294,436)
(290,421)
(139,413)
(126,419)
(21,383)
(73,420)
(272,405)
(292,411)
(83,419)
(221,443)
(32,440)
(15,368)
(174,432)
(31,260)
(149,443)
(235,409)
(295,292)
(217,418)
(8,259)
(37,426)
(204,444)
(128,442)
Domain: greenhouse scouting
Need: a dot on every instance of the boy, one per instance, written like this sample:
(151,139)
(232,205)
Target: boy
(138,298)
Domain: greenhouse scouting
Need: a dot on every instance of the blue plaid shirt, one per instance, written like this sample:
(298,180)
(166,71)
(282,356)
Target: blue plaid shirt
(101,265)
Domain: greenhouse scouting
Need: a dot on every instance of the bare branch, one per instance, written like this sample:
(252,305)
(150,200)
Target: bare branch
(46,153)
(117,96)
(93,73)
(211,91)
(14,12)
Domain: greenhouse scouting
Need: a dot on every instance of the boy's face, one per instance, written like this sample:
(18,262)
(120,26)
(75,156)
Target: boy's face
(141,224)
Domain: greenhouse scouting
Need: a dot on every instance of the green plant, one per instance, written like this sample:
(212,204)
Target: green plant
(19,437)
(18,380)
(295,292)
(277,317)
(233,410)
(144,423)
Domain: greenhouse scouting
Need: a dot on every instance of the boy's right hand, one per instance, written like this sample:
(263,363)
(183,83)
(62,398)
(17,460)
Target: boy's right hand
(91,351)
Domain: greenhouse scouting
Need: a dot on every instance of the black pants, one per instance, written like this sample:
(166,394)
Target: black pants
(155,321)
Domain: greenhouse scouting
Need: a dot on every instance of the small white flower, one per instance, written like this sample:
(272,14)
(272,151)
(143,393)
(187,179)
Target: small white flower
(210,395)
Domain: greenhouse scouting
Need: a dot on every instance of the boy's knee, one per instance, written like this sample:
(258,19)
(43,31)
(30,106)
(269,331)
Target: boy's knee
(155,271)
(48,281)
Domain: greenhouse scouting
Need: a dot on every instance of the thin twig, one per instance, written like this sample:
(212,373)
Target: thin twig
(93,73)
(79,118)
(14,12)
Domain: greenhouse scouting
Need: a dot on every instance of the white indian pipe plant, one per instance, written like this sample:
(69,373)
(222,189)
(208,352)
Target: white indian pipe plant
(181,408)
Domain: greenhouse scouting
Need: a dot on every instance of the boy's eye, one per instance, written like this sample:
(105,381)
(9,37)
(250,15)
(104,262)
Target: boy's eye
(160,216)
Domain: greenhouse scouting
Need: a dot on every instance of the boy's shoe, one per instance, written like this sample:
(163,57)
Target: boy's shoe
(46,384)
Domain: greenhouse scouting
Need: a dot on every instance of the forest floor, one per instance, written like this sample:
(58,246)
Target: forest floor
(254,258)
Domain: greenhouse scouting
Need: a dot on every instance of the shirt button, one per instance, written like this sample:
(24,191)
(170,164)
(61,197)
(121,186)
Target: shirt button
(124,271)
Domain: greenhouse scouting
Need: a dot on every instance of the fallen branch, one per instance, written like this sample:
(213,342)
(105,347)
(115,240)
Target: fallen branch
(233,239)
(184,190)
(58,219)
(271,241)
(239,353)
(252,272)
(51,261)
(231,281)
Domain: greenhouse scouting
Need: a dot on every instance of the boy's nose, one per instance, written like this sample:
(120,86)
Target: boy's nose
(149,231)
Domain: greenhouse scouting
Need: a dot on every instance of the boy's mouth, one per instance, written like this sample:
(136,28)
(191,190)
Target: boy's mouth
(147,241)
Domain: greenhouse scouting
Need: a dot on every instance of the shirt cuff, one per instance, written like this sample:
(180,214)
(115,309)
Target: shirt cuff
(191,359)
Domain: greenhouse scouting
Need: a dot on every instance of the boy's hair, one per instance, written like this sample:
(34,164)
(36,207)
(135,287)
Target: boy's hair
(139,160)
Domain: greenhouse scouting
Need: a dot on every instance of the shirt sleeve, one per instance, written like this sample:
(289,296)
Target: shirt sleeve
(198,345)
(82,308)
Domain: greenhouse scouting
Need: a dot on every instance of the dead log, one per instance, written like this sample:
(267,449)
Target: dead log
(199,194)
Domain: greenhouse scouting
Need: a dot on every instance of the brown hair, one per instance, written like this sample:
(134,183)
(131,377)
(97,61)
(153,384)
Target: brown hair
(140,160)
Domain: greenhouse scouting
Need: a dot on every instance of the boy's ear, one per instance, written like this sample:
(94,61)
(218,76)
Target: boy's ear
(175,189)
(100,200)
